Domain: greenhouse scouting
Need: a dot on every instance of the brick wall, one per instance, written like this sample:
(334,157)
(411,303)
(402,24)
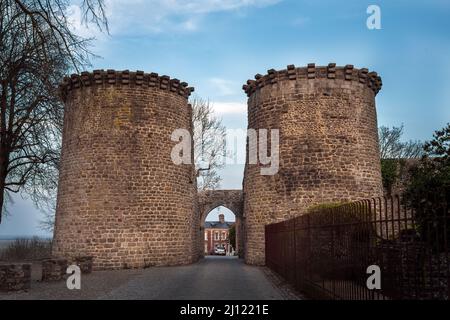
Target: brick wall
(210,241)
(231,199)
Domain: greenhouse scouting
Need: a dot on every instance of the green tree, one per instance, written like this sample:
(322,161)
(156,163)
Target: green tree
(428,192)
(390,172)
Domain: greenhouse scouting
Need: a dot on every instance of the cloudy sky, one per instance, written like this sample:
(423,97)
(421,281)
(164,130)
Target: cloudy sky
(216,45)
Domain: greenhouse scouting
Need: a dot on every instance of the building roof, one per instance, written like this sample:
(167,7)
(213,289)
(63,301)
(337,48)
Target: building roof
(218,225)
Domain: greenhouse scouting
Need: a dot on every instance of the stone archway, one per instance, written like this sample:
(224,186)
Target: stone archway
(208,200)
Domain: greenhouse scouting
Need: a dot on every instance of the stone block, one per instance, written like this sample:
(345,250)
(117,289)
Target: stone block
(15,276)
(54,269)
(85,263)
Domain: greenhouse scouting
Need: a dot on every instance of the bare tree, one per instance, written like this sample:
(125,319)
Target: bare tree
(391,146)
(49,23)
(393,154)
(37,48)
(209,144)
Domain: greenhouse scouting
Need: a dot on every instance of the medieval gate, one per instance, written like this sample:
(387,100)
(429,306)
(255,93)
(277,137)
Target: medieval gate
(122,200)
(231,199)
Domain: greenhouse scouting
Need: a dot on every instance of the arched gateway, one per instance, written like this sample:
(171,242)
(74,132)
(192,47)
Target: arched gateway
(123,200)
(231,199)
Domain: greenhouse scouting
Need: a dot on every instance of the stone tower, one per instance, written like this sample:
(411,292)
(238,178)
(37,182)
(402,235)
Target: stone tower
(121,199)
(328,150)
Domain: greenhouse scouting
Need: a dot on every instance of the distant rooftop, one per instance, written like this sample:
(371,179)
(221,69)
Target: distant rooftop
(218,224)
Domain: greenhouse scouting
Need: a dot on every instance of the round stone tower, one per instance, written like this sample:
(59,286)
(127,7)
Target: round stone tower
(328,144)
(121,199)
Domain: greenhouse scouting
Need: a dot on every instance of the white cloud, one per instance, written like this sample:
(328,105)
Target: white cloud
(230,107)
(224,87)
(190,25)
(156,16)
(200,6)
(74,18)
(300,21)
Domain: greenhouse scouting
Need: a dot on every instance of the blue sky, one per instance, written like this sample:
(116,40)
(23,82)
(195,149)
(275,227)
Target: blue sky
(217,45)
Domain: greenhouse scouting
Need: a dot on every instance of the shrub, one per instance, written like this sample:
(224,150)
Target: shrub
(389,173)
(429,191)
(27,249)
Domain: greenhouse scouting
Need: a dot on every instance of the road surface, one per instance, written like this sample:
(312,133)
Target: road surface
(214,277)
(222,278)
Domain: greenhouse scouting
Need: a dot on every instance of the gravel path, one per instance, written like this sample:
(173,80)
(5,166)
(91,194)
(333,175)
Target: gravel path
(222,278)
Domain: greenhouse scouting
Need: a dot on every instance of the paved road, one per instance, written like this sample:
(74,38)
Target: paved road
(226,278)
(222,278)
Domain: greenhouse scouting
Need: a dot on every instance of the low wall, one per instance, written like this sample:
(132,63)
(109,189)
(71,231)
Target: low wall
(15,276)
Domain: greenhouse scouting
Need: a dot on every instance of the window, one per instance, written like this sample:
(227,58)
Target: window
(206,235)
(224,235)
(216,235)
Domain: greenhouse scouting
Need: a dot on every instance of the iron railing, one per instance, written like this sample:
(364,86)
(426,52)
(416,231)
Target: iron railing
(325,253)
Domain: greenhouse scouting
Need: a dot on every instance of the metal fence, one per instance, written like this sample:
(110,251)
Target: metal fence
(326,252)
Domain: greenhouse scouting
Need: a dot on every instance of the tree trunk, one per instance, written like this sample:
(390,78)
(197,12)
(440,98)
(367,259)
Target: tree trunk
(3,173)
(1,200)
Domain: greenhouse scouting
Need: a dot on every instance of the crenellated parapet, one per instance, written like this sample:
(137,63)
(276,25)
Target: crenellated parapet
(125,78)
(311,71)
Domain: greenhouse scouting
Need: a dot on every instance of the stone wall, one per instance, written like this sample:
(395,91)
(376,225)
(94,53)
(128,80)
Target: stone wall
(121,200)
(208,200)
(54,269)
(124,203)
(328,144)
(15,276)
(403,178)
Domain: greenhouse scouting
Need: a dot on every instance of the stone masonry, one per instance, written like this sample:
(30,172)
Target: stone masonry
(15,276)
(54,269)
(328,144)
(123,202)
(208,200)
(121,199)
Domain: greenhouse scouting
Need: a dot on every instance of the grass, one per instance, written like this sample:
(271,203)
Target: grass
(26,250)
